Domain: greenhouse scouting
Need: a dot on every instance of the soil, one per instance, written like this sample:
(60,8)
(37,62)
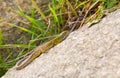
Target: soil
(8,15)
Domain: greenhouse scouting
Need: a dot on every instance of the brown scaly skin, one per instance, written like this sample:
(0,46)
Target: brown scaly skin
(41,49)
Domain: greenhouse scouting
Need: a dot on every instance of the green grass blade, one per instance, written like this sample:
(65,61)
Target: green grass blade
(79,5)
(54,13)
(1,37)
(15,45)
(22,28)
(39,10)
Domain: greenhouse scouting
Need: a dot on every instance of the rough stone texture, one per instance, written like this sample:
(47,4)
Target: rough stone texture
(86,53)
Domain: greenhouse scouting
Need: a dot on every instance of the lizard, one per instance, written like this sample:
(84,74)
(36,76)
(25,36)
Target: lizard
(41,49)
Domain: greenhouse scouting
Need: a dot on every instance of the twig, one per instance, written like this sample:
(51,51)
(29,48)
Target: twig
(82,22)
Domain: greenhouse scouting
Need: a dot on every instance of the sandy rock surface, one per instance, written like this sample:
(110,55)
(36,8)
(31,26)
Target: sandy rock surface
(86,53)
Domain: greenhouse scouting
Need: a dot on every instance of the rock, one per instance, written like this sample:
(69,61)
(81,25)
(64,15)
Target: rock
(86,53)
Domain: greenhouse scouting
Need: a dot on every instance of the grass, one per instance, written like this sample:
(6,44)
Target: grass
(51,22)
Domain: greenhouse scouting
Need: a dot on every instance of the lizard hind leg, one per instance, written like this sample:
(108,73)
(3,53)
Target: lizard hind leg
(24,62)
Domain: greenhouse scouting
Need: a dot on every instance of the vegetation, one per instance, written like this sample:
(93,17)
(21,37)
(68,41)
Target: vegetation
(62,15)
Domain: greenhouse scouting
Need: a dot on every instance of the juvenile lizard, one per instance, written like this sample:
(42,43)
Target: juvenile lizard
(41,49)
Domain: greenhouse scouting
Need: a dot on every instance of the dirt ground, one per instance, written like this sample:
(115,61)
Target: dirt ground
(8,15)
